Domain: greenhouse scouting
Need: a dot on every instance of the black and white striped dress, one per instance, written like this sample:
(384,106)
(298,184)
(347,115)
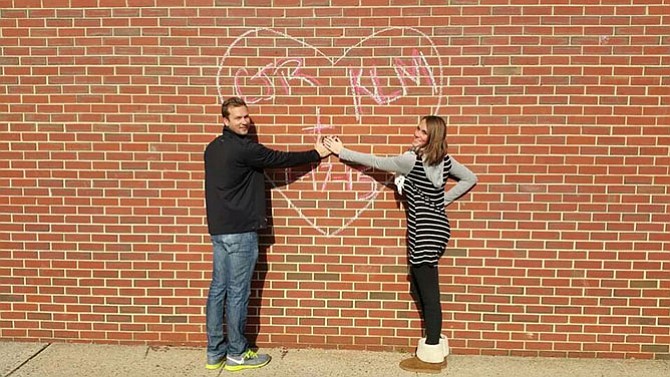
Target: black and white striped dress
(427,222)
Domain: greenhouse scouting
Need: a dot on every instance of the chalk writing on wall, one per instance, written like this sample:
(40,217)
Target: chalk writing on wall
(382,69)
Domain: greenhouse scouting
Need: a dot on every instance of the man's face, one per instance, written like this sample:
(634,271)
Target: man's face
(238,120)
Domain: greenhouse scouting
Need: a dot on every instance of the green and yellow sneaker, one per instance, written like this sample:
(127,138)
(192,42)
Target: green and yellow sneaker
(247,360)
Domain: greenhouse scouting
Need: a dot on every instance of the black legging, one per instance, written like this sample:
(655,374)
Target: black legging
(426,287)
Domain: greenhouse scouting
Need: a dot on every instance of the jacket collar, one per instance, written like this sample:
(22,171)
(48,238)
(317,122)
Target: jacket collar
(229,132)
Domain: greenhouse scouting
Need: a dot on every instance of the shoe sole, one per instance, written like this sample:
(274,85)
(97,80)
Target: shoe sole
(417,366)
(422,370)
(214,366)
(237,368)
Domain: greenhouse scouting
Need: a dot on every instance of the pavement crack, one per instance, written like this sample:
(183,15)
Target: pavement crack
(27,360)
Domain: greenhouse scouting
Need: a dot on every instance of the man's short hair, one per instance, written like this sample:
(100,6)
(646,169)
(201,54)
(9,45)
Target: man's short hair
(231,102)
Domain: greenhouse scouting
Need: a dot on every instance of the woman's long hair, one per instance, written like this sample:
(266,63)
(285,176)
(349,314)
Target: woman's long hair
(436,147)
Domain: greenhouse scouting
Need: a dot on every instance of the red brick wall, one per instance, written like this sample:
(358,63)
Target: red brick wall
(560,107)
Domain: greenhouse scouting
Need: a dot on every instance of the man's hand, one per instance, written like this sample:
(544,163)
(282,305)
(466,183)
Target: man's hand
(333,143)
(320,148)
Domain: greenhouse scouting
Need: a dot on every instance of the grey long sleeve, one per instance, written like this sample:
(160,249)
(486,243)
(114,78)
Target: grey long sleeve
(404,163)
(466,180)
(401,164)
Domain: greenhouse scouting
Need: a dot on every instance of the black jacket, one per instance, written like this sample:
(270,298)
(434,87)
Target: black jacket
(235,183)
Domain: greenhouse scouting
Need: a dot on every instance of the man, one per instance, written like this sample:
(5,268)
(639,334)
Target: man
(235,196)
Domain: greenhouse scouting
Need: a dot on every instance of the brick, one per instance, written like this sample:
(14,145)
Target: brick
(543,101)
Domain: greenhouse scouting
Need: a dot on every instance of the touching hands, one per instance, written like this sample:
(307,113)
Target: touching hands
(321,149)
(333,143)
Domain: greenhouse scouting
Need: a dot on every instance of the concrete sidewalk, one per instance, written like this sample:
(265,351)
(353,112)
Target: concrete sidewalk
(72,360)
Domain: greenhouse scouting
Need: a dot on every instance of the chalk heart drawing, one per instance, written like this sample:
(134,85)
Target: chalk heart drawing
(370,77)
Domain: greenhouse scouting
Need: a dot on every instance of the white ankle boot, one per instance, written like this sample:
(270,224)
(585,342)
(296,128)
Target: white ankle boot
(430,353)
(429,359)
(444,341)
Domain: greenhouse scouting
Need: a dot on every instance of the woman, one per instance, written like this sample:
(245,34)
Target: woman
(422,173)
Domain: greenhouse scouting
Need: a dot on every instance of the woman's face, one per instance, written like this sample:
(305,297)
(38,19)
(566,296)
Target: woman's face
(420,135)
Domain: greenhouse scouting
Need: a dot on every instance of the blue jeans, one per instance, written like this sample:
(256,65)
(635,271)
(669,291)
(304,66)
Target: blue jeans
(235,257)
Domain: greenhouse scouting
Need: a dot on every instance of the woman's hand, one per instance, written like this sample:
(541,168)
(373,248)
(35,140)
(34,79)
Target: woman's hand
(321,149)
(333,144)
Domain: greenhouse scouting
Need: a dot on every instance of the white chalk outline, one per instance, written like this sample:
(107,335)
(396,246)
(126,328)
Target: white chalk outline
(333,62)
